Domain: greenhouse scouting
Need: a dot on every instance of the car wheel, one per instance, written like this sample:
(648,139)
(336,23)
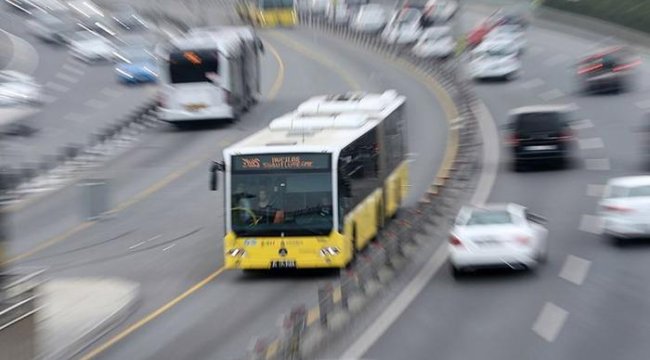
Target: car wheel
(617,240)
(542,256)
(518,166)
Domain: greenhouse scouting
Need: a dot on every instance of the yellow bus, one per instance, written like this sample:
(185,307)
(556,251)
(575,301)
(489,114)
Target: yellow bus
(268,13)
(316,185)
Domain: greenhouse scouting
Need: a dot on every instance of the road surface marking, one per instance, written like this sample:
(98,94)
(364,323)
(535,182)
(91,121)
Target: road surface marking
(575,269)
(57,87)
(279,80)
(95,104)
(551,95)
(591,143)
(582,124)
(144,242)
(24,57)
(591,224)
(168,247)
(643,104)
(556,60)
(531,84)
(550,321)
(66,78)
(111,93)
(73,69)
(597,164)
(596,190)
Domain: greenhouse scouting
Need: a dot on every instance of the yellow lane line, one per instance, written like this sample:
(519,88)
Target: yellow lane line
(272,349)
(313,315)
(314,55)
(273,92)
(153,315)
(279,79)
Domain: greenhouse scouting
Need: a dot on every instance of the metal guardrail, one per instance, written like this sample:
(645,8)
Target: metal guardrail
(397,241)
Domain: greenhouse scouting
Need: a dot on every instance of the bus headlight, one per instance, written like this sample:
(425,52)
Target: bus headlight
(237,252)
(329,251)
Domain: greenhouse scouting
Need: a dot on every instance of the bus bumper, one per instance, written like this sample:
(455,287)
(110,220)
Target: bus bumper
(215,113)
(247,263)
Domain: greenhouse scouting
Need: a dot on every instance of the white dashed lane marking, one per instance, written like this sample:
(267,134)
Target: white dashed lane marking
(582,124)
(597,164)
(575,269)
(168,247)
(551,95)
(67,78)
(73,69)
(57,87)
(595,190)
(533,83)
(592,224)
(591,143)
(144,242)
(550,321)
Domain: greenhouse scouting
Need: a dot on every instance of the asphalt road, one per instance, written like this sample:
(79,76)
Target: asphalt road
(79,100)
(167,232)
(591,300)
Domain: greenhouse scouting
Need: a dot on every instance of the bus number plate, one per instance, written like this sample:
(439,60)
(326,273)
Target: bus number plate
(283,264)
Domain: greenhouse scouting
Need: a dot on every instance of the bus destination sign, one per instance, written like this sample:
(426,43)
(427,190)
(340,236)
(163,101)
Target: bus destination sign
(281,162)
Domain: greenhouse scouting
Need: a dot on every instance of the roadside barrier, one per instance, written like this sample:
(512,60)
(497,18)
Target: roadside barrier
(399,240)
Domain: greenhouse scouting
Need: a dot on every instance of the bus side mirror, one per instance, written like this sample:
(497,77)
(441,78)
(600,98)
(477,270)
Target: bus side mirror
(214,168)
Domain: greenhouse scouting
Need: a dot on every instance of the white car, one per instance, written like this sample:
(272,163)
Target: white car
(435,42)
(370,18)
(339,14)
(91,47)
(494,59)
(513,34)
(404,27)
(17,88)
(440,11)
(497,235)
(625,207)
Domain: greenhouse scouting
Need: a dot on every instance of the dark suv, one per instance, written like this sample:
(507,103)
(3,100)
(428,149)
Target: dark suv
(540,134)
(611,69)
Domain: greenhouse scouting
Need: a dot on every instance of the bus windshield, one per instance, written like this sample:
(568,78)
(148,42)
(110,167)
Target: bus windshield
(193,66)
(275,4)
(273,202)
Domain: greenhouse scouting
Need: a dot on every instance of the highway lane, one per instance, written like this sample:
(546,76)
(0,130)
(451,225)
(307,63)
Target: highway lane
(590,300)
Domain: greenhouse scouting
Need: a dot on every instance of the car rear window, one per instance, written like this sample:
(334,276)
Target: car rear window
(639,191)
(539,122)
(489,218)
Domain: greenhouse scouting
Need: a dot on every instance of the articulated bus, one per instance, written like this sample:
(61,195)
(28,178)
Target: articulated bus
(268,13)
(316,185)
(209,74)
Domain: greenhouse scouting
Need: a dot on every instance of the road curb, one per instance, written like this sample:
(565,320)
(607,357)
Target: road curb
(86,339)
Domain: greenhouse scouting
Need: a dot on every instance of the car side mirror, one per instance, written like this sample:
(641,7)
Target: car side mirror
(536,218)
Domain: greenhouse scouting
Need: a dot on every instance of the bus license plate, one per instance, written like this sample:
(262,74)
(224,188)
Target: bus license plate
(283,264)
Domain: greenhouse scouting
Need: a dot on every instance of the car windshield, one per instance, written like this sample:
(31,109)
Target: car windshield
(491,217)
(281,201)
(538,122)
